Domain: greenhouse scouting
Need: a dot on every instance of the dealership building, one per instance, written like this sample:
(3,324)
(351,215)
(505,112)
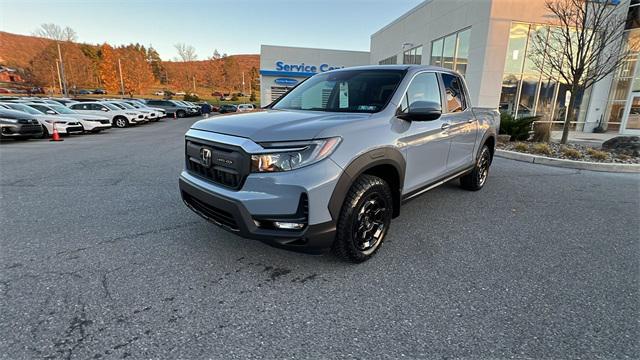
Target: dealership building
(488,42)
(283,67)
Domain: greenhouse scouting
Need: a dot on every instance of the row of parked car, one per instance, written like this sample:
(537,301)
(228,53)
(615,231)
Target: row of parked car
(23,118)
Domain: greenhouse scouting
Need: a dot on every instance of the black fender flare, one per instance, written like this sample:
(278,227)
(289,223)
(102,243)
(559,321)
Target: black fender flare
(380,156)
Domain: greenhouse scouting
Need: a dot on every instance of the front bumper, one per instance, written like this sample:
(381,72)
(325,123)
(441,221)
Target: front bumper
(238,211)
(21,130)
(96,125)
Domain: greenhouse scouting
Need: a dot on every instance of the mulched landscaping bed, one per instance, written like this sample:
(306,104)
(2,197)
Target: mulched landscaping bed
(570,152)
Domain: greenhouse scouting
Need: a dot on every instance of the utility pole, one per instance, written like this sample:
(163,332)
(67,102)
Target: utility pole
(243,83)
(59,77)
(194,83)
(63,80)
(121,80)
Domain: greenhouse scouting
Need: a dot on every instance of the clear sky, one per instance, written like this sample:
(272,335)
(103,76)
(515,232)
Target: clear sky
(233,27)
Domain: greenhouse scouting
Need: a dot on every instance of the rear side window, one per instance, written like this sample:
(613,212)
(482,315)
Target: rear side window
(455,96)
(423,89)
(81,106)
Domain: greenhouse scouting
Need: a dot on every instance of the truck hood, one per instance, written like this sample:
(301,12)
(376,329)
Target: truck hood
(277,125)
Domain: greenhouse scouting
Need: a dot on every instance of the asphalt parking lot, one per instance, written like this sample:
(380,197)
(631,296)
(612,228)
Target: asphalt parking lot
(100,259)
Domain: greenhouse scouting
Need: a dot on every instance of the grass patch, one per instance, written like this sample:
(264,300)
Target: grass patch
(522,147)
(597,154)
(571,153)
(542,148)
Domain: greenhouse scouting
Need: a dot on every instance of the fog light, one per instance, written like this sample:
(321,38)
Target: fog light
(288,225)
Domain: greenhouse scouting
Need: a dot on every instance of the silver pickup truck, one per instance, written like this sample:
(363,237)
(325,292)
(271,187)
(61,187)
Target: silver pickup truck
(328,165)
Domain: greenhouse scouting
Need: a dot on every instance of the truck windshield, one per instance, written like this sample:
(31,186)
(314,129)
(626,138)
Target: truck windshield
(366,91)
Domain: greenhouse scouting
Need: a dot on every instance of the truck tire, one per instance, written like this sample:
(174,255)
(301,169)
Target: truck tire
(476,179)
(120,122)
(364,219)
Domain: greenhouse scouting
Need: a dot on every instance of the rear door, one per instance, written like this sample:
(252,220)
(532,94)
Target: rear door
(426,142)
(461,125)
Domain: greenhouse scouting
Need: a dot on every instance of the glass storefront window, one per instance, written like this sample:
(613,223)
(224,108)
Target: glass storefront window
(509,93)
(462,51)
(544,108)
(528,90)
(448,51)
(532,58)
(436,52)
(413,56)
(517,44)
(452,51)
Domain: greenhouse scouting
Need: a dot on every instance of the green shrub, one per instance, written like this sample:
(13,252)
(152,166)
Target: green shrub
(517,128)
(542,148)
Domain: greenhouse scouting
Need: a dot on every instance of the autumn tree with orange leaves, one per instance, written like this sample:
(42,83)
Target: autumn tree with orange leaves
(109,69)
(137,73)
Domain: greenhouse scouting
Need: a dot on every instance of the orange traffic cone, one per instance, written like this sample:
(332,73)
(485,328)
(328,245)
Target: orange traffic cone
(55,136)
(174,116)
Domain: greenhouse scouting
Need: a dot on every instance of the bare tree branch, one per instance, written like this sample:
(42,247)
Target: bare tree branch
(55,32)
(582,46)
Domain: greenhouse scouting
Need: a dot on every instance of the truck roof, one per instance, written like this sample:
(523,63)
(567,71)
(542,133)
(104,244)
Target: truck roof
(398,67)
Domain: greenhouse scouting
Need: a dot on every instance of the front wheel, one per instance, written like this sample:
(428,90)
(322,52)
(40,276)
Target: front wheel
(121,122)
(364,219)
(181,113)
(476,179)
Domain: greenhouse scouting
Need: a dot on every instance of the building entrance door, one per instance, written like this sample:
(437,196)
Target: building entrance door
(631,118)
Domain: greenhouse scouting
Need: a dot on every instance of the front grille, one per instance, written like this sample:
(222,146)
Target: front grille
(105,122)
(31,129)
(26,121)
(212,213)
(227,165)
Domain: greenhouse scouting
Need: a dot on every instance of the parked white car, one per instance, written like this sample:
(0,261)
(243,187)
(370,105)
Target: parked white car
(119,118)
(245,107)
(149,115)
(91,123)
(64,125)
(160,113)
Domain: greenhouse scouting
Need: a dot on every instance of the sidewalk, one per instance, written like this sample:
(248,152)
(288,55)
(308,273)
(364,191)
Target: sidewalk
(582,138)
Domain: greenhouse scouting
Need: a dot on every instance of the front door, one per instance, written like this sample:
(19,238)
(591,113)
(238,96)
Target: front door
(631,118)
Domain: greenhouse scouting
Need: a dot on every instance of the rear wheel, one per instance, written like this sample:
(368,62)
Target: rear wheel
(120,122)
(364,219)
(181,113)
(476,179)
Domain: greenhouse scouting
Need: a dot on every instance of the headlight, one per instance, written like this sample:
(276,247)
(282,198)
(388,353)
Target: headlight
(54,122)
(11,121)
(287,156)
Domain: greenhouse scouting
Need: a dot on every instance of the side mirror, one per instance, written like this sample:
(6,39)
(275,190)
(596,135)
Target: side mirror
(104,109)
(422,111)
(50,112)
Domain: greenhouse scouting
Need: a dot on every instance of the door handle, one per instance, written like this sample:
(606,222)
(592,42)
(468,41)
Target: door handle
(445,126)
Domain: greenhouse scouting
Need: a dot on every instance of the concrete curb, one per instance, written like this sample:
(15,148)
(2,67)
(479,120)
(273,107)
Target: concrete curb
(571,164)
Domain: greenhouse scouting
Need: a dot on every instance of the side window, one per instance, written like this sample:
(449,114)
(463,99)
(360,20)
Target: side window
(455,96)
(423,89)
